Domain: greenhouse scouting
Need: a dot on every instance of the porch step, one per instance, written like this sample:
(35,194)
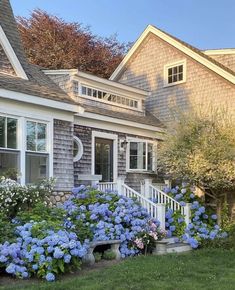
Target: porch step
(178,248)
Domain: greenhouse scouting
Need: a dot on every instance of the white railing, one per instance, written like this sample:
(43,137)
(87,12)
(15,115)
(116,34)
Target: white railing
(159,196)
(154,210)
(107,186)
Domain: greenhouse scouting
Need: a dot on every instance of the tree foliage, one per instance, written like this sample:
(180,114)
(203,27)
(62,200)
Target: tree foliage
(201,149)
(52,43)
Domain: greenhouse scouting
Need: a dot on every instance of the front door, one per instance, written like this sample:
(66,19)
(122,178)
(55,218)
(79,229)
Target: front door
(104,159)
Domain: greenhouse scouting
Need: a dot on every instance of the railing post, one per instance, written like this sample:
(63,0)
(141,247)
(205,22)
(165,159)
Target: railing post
(120,182)
(167,182)
(187,213)
(147,183)
(161,215)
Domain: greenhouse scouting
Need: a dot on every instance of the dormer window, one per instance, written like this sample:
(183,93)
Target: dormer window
(175,73)
(107,97)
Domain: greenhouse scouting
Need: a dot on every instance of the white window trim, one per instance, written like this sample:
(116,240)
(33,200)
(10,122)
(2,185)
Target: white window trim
(173,64)
(80,146)
(114,137)
(22,144)
(154,158)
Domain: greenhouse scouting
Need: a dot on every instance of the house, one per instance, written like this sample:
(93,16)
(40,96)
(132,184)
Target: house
(179,76)
(70,125)
(176,74)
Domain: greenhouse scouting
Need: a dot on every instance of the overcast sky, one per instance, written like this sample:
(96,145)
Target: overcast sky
(202,23)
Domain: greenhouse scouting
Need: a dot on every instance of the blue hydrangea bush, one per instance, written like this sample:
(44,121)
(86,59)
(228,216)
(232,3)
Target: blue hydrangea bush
(48,241)
(203,225)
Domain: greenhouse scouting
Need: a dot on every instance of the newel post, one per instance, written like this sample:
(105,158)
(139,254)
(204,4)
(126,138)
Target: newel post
(187,213)
(161,215)
(146,187)
(120,182)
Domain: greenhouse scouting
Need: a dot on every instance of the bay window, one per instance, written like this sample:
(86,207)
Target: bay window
(140,155)
(9,153)
(37,157)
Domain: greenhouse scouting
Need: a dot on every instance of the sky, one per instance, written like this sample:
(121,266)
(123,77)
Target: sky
(205,24)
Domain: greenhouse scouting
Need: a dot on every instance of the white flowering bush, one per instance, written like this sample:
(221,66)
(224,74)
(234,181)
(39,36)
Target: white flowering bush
(15,197)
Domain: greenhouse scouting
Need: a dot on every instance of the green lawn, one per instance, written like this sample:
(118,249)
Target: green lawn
(202,269)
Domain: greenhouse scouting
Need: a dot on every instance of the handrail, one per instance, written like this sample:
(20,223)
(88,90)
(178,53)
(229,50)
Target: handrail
(162,197)
(145,202)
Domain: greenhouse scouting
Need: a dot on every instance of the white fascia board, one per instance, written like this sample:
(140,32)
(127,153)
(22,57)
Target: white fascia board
(219,51)
(60,71)
(122,122)
(11,55)
(180,46)
(16,96)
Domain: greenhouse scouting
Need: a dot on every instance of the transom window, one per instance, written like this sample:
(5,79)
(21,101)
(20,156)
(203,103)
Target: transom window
(175,73)
(108,97)
(141,155)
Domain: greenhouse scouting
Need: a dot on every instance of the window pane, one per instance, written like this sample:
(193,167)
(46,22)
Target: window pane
(170,80)
(36,167)
(170,71)
(175,78)
(75,148)
(41,140)
(175,70)
(31,136)
(180,76)
(137,155)
(133,162)
(84,90)
(89,92)
(150,157)
(2,132)
(9,163)
(181,68)
(11,133)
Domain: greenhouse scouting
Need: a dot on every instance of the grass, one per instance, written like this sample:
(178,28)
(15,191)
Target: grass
(201,269)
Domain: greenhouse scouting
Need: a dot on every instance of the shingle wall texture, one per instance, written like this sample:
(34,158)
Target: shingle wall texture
(146,71)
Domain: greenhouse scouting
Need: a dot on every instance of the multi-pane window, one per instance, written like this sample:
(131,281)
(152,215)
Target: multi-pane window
(109,97)
(175,73)
(9,155)
(37,158)
(141,156)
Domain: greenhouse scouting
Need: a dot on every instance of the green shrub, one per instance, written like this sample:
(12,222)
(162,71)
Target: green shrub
(98,256)
(109,255)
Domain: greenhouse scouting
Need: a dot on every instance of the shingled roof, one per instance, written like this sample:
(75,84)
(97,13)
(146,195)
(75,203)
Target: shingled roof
(147,119)
(38,84)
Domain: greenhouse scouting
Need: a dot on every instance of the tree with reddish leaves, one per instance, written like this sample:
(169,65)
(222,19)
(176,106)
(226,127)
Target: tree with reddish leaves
(52,43)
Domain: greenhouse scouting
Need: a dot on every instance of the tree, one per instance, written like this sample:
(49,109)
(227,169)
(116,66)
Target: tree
(201,149)
(52,43)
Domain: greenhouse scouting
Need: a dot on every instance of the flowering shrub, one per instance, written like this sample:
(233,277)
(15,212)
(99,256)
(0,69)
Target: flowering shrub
(203,224)
(108,216)
(40,251)
(47,241)
(146,239)
(15,197)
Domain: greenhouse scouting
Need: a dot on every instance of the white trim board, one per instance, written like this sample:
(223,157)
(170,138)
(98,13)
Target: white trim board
(177,44)
(11,55)
(219,51)
(119,128)
(114,137)
(60,105)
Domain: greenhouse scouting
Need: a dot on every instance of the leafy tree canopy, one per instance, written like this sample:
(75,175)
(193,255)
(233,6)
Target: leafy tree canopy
(52,43)
(201,148)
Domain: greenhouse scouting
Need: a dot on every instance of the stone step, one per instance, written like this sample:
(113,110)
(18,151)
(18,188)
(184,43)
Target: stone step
(178,248)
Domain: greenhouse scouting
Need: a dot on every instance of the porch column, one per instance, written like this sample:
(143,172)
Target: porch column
(146,187)
(187,213)
(120,182)
(161,215)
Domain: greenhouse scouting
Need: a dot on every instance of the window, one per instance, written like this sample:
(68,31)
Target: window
(175,73)
(9,155)
(105,96)
(37,164)
(77,149)
(140,155)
